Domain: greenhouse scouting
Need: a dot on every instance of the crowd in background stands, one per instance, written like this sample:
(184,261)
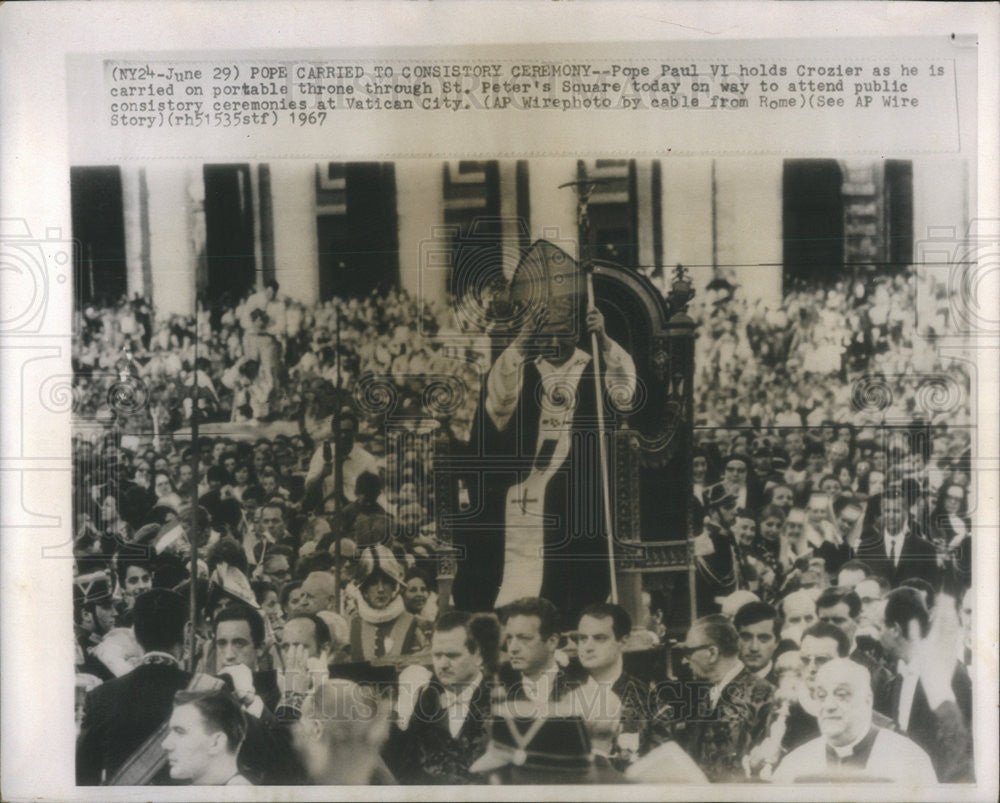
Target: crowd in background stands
(821,537)
(857,354)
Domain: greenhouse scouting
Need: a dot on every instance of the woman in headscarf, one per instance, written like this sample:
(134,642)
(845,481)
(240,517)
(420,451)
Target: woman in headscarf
(382,627)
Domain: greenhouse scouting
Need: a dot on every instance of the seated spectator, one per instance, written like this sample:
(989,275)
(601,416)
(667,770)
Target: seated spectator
(799,612)
(417,595)
(759,629)
(616,706)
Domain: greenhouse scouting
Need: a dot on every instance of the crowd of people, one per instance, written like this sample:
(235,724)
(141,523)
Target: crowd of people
(316,643)
(851,353)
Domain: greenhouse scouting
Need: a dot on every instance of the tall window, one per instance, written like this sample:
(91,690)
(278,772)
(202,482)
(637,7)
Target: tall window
(613,210)
(229,240)
(472,211)
(357,227)
(813,221)
(98,234)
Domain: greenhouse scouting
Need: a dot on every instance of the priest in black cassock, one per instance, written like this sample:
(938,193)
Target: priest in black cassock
(538,528)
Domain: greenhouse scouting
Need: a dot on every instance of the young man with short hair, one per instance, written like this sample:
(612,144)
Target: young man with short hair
(204,738)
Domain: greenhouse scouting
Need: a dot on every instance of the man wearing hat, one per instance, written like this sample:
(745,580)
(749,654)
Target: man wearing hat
(94,616)
(382,627)
(537,531)
(716,551)
(122,713)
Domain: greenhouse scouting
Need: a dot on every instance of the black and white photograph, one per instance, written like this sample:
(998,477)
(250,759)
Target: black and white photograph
(493,479)
(497,465)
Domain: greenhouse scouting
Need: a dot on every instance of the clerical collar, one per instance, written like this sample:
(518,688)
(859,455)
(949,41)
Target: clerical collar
(860,747)
(157,657)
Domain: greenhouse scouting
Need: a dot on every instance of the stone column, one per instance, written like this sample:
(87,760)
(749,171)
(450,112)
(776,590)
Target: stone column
(749,225)
(644,208)
(553,210)
(296,249)
(687,218)
(424,263)
(172,194)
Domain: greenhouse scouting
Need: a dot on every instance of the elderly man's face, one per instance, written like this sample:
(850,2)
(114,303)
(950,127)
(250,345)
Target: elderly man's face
(317,595)
(813,654)
(700,653)
(845,704)
(300,633)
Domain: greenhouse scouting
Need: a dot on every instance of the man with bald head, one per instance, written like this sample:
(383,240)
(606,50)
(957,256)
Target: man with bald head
(850,746)
(319,593)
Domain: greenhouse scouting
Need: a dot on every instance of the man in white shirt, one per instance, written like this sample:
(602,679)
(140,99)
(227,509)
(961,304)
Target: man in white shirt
(447,729)
(319,477)
(850,746)
(614,704)
(531,640)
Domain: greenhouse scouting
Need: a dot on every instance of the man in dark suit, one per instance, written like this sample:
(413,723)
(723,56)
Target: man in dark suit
(119,715)
(897,551)
(449,727)
(931,697)
(530,625)
(618,706)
